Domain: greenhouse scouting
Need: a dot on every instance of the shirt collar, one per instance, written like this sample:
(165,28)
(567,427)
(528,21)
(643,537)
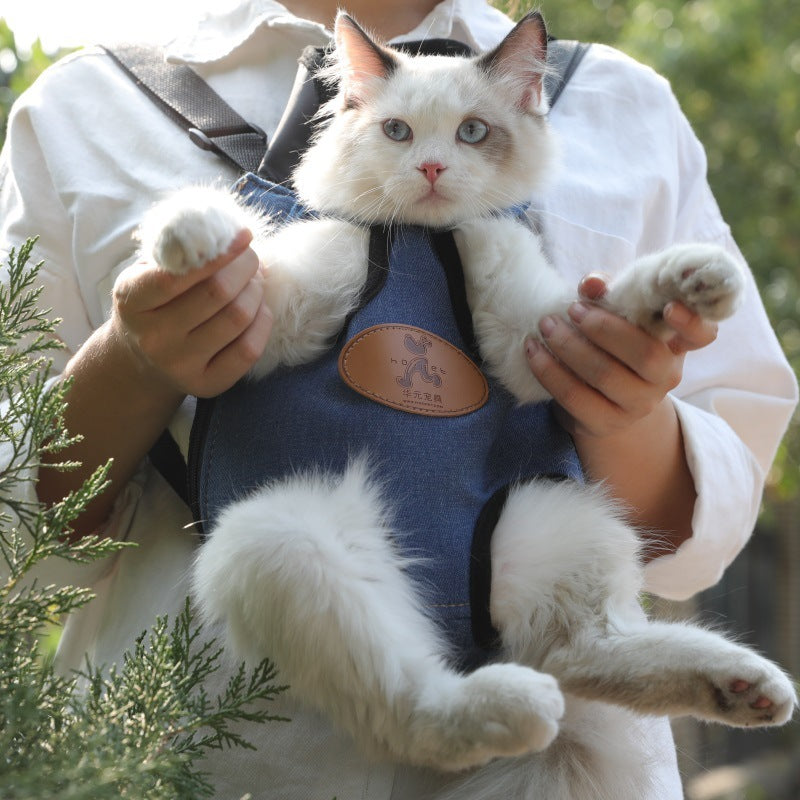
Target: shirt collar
(218,34)
(473,22)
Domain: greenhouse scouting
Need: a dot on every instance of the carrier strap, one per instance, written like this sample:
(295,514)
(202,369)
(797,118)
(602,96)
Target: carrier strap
(190,102)
(563,58)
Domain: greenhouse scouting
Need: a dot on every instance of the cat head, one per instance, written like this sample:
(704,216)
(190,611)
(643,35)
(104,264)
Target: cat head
(430,140)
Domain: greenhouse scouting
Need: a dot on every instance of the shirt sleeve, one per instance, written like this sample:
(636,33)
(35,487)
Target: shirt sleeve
(734,405)
(633,182)
(30,206)
(86,154)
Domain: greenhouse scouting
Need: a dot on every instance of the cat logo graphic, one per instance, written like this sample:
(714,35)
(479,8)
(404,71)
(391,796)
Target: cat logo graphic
(419,365)
(412,370)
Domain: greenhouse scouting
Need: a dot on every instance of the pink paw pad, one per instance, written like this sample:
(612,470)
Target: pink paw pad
(737,687)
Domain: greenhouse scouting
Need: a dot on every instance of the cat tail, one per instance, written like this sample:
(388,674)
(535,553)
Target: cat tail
(602,752)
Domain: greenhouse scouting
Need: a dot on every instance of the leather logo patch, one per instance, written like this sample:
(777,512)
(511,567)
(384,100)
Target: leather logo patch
(412,370)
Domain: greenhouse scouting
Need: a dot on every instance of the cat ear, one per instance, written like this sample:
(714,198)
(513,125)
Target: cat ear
(361,60)
(520,59)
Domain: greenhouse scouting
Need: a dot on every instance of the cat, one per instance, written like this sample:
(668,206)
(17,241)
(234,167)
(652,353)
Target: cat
(305,570)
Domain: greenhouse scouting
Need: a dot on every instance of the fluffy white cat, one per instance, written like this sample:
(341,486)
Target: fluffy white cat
(305,571)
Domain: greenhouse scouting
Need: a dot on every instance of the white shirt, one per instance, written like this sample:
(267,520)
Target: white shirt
(87,153)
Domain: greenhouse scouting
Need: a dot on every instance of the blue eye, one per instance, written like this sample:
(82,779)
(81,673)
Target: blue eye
(472,131)
(397,129)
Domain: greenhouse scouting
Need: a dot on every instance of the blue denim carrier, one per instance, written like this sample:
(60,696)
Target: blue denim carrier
(446,477)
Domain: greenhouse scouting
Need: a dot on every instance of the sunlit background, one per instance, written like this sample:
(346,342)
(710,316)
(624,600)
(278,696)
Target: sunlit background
(61,23)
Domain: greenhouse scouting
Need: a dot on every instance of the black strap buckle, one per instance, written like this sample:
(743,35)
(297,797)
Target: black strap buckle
(204,139)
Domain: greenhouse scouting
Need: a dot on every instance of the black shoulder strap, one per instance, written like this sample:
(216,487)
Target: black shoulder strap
(563,57)
(188,100)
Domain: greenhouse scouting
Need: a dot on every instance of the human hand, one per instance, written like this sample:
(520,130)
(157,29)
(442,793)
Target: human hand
(198,332)
(606,374)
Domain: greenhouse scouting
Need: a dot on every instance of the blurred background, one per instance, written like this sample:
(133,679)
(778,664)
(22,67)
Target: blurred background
(735,67)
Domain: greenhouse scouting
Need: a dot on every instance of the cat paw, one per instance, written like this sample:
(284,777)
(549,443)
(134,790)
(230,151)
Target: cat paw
(750,691)
(500,710)
(190,228)
(703,277)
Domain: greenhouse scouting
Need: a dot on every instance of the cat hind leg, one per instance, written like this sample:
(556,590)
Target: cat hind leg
(499,710)
(561,553)
(677,669)
(564,597)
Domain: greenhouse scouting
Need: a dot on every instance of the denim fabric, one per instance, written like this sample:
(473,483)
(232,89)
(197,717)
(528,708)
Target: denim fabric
(438,472)
(272,199)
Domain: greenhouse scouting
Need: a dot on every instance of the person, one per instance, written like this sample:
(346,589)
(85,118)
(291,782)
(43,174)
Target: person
(682,432)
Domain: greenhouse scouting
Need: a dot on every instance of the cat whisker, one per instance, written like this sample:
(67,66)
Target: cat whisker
(424,37)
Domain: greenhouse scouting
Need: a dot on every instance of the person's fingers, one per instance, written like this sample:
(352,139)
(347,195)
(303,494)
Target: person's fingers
(594,285)
(230,321)
(180,325)
(212,295)
(583,405)
(234,360)
(649,358)
(144,286)
(593,365)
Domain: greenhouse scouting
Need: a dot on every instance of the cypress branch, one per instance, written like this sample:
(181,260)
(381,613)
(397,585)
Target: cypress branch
(136,730)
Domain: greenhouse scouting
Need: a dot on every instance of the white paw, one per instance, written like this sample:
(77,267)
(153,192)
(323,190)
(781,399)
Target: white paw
(703,277)
(520,708)
(500,710)
(747,690)
(190,228)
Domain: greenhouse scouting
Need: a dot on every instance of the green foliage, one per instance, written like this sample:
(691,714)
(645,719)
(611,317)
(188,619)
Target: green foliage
(18,70)
(136,730)
(32,424)
(735,68)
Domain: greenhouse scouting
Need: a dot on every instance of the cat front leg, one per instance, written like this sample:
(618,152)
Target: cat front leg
(510,286)
(313,270)
(314,274)
(195,225)
(704,277)
(304,572)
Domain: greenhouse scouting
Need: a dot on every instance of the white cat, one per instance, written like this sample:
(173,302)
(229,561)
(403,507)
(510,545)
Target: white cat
(305,571)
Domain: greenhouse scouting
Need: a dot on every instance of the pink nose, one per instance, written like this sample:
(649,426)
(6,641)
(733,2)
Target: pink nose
(432,171)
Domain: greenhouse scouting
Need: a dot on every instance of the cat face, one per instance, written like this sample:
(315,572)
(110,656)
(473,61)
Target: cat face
(430,140)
